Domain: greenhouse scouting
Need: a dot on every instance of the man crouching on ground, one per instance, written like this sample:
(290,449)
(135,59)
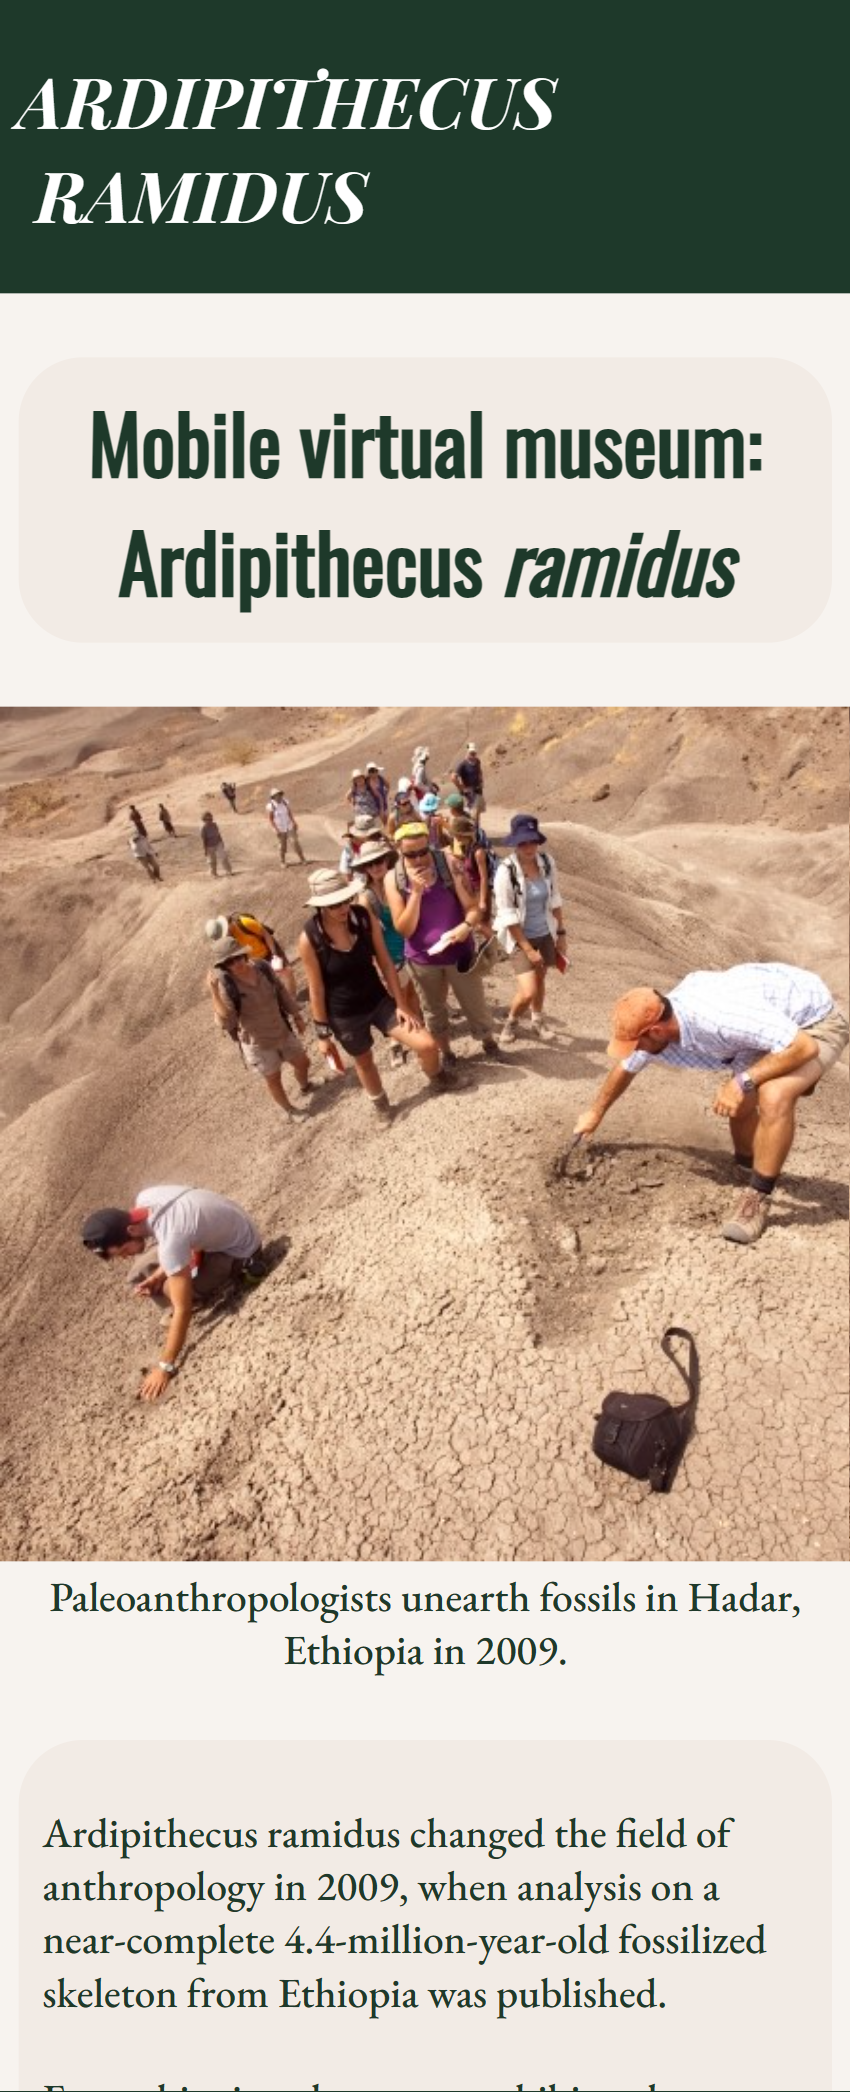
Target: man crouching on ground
(202,1242)
(774,1030)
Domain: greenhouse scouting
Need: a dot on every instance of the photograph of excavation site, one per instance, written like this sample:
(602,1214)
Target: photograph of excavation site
(447,1252)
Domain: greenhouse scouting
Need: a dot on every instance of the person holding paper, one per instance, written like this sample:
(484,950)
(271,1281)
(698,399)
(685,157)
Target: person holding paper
(773,1031)
(436,912)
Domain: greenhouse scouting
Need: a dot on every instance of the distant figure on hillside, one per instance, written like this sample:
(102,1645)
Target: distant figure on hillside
(529,923)
(165,820)
(203,1243)
(773,1030)
(469,778)
(258,940)
(378,787)
(282,821)
(214,847)
(253,1006)
(228,792)
(143,851)
(421,780)
(137,821)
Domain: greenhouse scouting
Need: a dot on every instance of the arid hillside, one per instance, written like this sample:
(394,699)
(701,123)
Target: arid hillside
(418,1375)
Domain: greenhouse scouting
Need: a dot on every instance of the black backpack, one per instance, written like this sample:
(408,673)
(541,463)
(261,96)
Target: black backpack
(643,1435)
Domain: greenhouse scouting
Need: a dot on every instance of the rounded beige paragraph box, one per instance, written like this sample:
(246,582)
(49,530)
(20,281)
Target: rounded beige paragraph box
(409,1917)
(440,500)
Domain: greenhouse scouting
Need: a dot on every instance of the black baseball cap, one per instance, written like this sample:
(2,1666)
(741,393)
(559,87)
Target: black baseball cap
(108,1228)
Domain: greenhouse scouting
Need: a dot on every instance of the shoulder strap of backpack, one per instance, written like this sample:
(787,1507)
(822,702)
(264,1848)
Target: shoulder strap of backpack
(513,873)
(690,1372)
(443,869)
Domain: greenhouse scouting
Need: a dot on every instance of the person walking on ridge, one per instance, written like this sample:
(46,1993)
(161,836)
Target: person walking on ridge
(283,824)
(213,846)
(254,1007)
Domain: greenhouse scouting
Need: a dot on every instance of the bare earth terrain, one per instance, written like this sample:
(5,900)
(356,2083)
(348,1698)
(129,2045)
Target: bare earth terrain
(418,1375)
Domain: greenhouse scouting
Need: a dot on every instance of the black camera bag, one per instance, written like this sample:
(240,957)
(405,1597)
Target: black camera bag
(644,1435)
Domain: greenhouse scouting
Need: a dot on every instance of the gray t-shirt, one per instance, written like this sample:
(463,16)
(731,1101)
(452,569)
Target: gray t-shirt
(182,1220)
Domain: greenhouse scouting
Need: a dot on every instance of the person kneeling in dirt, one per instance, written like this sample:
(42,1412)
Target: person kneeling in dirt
(354,987)
(258,940)
(255,1008)
(142,850)
(773,1029)
(203,1243)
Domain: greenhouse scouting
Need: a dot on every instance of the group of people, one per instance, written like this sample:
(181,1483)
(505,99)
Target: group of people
(418,912)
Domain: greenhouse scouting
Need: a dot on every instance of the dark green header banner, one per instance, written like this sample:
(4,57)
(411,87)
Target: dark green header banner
(464,147)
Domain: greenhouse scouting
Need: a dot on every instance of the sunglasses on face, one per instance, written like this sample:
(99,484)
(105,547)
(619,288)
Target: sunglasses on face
(415,856)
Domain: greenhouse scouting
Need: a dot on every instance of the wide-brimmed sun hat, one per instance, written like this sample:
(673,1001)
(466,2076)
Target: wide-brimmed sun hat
(525,828)
(374,852)
(430,804)
(363,825)
(329,888)
(229,948)
(404,785)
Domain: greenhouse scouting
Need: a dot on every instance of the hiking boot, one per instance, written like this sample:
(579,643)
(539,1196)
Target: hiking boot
(541,1030)
(447,1076)
(507,1035)
(449,1059)
(749,1219)
(492,1048)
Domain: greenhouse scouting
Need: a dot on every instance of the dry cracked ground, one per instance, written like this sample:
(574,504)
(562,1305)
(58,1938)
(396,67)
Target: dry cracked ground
(418,1375)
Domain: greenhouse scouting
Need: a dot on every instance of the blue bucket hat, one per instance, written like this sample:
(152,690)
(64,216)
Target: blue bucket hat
(525,828)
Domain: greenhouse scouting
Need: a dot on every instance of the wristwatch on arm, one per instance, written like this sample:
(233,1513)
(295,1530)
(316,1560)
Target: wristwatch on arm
(746,1085)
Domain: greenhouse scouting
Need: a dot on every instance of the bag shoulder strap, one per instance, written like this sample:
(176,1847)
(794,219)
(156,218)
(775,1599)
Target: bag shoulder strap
(690,1372)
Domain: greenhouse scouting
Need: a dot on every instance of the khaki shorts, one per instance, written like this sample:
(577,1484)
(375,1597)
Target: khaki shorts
(832,1033)
(268,1060)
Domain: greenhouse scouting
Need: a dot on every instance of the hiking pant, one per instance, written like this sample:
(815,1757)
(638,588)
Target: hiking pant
(290,835)
(434,983)
(217,856)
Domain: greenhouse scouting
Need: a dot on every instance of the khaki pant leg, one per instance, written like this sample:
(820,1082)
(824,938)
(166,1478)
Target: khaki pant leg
(433,985)
(468,988)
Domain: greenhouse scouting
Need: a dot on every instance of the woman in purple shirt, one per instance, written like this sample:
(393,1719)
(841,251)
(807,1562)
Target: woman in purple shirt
(436,912)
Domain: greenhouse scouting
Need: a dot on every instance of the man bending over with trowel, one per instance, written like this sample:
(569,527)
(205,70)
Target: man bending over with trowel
(772,1030)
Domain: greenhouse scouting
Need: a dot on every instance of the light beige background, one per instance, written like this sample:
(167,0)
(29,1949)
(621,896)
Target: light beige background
(752,2022)
(75,531)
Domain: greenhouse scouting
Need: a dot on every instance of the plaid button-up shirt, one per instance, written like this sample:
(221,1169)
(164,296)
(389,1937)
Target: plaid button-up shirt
(728,1020)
